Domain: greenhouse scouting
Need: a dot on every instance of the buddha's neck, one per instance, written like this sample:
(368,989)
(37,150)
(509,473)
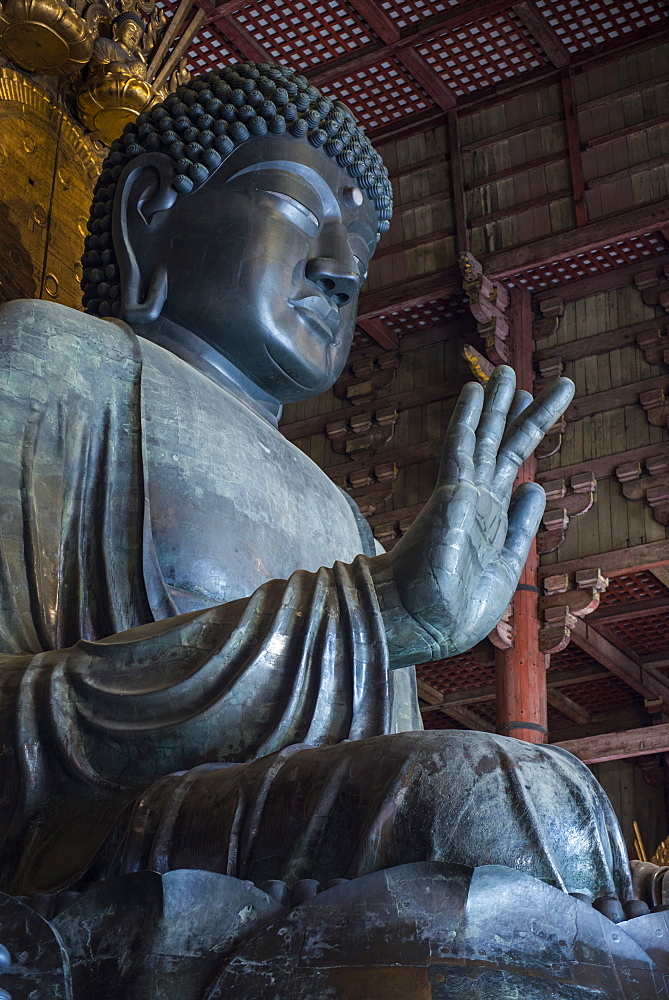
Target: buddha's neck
(209,362)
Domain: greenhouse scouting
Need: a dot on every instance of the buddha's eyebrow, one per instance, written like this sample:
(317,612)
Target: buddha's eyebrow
(321,187)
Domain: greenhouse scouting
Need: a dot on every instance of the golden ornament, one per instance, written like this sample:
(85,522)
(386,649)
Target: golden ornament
(44,36)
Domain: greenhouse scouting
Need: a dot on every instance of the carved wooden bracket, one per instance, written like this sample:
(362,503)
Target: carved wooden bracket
(656,405)
(363,434)
(552,441)
(563,602)
(488,302)
(503,634)
(655,346)
(653,486)
(364,377)
(392,531)
(561,505)
(369,487)
(654,286)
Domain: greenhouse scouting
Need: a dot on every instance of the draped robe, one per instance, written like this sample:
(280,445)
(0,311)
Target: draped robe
(256,735)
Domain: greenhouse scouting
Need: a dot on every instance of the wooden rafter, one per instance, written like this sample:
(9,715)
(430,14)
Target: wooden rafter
(505,263)
(574,146)
(428,78)
(537,25)
(438,24)
(643,680)
(627,560)
(618,746)
(379,332)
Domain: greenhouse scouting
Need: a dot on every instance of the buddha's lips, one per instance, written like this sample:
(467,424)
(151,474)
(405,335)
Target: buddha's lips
(320,309)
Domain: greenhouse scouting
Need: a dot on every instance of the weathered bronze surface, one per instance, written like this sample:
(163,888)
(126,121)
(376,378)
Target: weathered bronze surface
(206,663)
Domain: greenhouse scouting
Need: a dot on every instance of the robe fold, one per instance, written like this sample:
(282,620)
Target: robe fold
(256,737)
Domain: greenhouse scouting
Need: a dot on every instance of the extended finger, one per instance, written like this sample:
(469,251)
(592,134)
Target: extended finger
(456,460)
(525,512)
(527,430)
(521,401)
(499,395)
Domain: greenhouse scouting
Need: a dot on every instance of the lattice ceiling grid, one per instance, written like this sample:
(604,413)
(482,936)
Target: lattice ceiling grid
(633,587)
(483,53)
(582,25)
(607,695)
(305,34)
(649,634)
(403,321)
(636,249)
(457,673)
(381,94)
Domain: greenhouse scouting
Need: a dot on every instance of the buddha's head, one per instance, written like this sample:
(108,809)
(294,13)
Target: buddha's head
(128,29)
(244,209)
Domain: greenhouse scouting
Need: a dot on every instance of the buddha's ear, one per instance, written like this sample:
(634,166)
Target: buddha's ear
(143,192)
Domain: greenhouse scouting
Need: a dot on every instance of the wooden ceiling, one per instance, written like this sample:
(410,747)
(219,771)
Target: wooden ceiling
(398,63)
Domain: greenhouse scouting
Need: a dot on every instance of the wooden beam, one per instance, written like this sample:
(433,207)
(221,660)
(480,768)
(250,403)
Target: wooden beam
(510,133)
(518,168)
(335,69)
(616,95)
(379,332)
(422,239)
(242,39)
(602,343)
(619,746)
(428,78)
(610,399)
(520,206)
(219,10)
(547,249)
(378,20)
(630,610)
(168,38)
(435,393)
(462,715)
(568,707)
(180,49)
(537,25)
(656,661)
(629,560)
(472,696)
(574,146)
(412,292)
(636,168)
(616,277)
(604,466)
(623,133)
(462,238)
(644,681)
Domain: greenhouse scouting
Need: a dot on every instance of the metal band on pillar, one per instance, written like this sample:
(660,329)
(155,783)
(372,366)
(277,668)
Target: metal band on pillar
(521,725)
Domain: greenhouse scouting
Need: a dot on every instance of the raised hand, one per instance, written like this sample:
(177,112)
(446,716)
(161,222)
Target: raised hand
(448,581)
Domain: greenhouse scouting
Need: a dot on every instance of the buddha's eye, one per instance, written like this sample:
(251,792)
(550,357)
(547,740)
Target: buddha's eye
(295,210)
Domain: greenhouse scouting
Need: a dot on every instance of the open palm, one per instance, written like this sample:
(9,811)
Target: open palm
(448,581)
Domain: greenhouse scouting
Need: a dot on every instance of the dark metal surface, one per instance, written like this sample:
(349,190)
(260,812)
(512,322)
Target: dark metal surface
(167,603)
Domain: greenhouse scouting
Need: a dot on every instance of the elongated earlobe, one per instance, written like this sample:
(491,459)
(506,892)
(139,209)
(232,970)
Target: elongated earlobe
(144,190)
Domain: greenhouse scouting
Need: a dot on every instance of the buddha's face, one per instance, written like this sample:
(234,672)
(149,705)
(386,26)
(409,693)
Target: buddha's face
(265,263)
(129,34)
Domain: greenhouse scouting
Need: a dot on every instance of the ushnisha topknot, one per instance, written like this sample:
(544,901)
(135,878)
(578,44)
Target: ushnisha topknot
(200,125)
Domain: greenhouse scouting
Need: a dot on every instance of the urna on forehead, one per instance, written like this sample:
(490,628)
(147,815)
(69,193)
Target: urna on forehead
(201,125)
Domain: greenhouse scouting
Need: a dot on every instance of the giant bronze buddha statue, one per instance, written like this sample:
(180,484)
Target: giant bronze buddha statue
(206,661)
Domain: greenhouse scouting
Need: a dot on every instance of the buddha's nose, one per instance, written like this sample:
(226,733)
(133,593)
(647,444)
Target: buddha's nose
(334,269)
(336,279)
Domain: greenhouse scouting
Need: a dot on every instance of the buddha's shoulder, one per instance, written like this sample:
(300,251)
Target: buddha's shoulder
(61,336)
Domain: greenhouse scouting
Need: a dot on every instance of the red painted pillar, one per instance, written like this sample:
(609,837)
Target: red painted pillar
(521,671)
